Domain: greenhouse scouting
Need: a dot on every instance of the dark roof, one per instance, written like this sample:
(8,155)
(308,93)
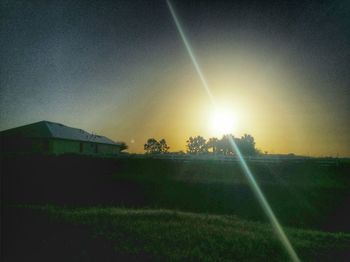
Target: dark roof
(46,129)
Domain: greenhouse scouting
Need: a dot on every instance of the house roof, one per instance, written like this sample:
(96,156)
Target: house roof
(47,129)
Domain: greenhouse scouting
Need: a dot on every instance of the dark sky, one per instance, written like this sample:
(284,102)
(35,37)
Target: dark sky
(114,66)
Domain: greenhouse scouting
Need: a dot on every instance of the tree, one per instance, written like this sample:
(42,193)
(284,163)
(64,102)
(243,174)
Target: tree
(225,146)
(213,143)
(163,146)
(152,146)
(247,145)
(196,145)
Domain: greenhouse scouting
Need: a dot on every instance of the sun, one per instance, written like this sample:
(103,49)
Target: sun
(223,122)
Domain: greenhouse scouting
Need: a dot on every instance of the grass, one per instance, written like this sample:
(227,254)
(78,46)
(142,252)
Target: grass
(169,235)
(301,194)
(158,209)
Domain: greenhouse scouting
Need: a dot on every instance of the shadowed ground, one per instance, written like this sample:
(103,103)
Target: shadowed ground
(45,233)
(169,210)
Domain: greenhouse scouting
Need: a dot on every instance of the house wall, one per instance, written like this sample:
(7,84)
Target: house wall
(88,148)
(58,146)
(108,149)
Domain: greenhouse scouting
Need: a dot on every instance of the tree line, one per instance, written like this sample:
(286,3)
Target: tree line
(199,145)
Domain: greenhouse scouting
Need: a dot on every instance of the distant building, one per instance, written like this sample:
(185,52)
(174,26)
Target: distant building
(54,138)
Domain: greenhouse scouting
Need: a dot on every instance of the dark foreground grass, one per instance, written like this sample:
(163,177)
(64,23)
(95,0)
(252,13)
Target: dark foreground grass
(307,194)
(214,197)
(167,235)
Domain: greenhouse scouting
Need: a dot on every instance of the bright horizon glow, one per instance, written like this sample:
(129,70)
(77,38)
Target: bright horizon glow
(223,122)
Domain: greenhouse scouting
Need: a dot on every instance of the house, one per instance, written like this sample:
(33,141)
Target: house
(54,138)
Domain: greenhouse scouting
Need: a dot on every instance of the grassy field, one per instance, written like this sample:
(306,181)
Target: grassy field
(152,209)
(168,235)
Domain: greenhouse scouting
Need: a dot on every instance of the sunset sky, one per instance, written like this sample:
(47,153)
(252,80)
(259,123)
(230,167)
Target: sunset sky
(281,69)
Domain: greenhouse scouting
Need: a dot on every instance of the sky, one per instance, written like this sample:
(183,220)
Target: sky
(120,69)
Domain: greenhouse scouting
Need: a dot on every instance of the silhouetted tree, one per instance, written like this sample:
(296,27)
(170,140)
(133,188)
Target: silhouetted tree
(213,143)
(163,146)
(225,146)
(247,145)
(152,146)
(196,145)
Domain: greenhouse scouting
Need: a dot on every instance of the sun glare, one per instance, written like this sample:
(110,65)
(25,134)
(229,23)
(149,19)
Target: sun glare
(223,122)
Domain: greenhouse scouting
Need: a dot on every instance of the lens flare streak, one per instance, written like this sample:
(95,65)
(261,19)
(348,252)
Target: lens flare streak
(251,180)
(263,202)
(190,52)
